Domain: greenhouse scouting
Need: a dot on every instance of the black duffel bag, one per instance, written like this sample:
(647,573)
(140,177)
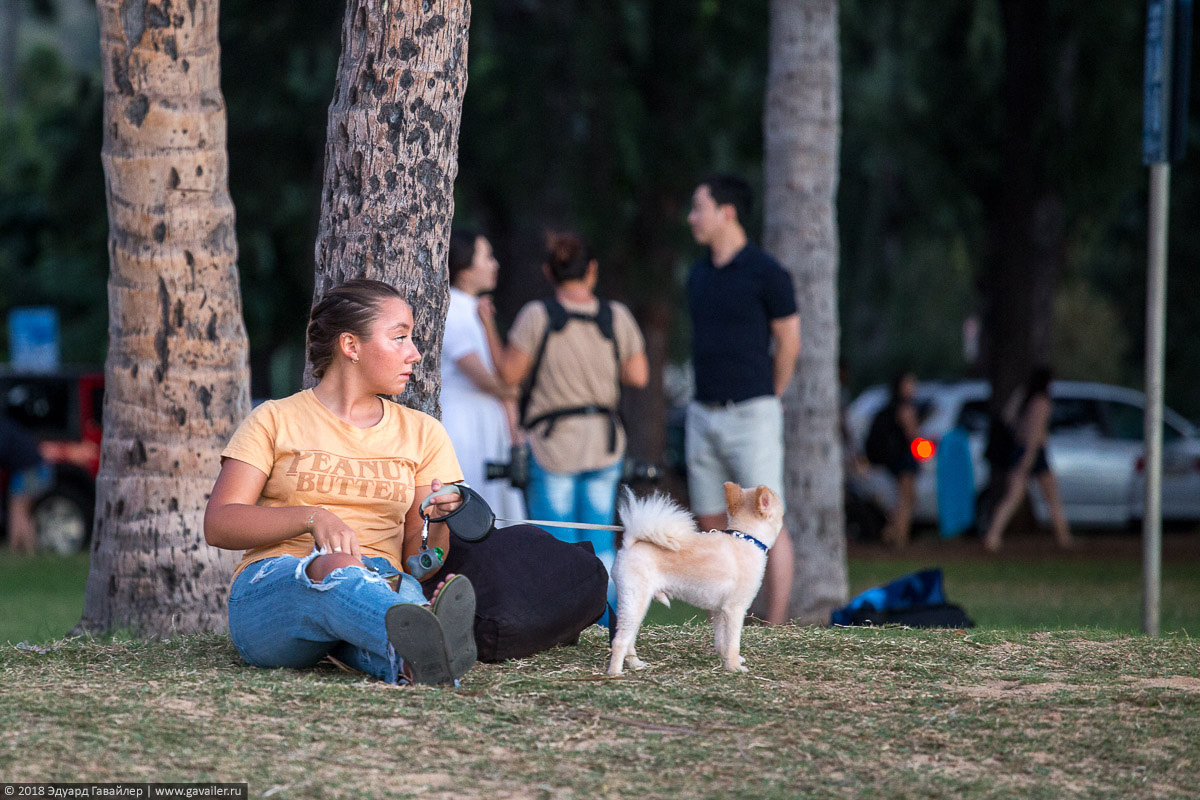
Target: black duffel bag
(532,591)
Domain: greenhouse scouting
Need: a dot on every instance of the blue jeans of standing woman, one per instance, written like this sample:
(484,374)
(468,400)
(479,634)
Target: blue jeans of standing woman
(279,617)
(578,497)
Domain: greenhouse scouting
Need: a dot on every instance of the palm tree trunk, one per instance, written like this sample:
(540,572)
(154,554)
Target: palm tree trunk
(391,156)
(801,130)
(1028,233)
(176,374)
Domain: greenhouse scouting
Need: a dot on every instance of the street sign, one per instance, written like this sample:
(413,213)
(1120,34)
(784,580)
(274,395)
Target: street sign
(1168,62)
(33,338)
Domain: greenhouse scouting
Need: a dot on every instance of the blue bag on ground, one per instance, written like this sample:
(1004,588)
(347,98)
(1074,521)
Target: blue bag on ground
(916,600)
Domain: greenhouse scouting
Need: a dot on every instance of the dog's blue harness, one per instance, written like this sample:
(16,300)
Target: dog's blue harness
(744,537)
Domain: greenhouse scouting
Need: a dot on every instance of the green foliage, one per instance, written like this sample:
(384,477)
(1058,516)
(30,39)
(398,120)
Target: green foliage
(602,115)
(53,224)
(918,149)
(922,127)
(1090,343)
(278,62)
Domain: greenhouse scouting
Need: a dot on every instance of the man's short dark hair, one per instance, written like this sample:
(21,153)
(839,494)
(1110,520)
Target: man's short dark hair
(730,190)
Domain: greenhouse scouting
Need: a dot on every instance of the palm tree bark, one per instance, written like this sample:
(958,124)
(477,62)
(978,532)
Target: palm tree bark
(391,157)
(801,139)
(176,373)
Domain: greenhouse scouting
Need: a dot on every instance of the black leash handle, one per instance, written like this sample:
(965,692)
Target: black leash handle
(472,521)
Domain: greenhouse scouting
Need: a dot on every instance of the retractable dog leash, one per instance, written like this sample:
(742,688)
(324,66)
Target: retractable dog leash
(472,521)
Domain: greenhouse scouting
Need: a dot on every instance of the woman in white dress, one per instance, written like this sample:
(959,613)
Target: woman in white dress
(478,410)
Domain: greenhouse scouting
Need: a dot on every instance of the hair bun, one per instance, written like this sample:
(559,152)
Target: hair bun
(567,255)
(562,248)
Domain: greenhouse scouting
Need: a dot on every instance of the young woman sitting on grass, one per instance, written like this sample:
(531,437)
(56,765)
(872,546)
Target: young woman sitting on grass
(321,490)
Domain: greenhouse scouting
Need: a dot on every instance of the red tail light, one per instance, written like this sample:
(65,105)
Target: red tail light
(922,449)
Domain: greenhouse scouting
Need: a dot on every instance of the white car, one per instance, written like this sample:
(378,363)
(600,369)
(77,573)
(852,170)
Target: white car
(1095,449)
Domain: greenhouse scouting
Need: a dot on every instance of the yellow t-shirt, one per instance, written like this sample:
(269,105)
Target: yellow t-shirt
(366,476)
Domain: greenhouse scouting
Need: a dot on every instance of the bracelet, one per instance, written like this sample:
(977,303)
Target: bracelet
(312,517)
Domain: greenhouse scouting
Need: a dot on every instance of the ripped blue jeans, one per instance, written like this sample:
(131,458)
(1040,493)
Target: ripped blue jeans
(278,617)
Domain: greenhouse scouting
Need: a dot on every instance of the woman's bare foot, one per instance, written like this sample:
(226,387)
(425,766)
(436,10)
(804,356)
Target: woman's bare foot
(438,589)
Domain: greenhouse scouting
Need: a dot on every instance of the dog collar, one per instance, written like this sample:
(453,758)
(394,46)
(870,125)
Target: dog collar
(745,537)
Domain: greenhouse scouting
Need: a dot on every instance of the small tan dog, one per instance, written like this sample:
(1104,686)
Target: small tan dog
(663,556)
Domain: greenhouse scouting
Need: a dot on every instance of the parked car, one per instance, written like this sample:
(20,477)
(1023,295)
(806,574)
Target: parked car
(1094,446)
(63,411)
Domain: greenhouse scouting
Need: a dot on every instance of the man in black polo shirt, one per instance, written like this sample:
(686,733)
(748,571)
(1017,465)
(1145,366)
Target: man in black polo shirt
(745,341)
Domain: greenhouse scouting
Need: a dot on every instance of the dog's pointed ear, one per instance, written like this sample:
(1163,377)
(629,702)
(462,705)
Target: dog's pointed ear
(762,499)
(733,496)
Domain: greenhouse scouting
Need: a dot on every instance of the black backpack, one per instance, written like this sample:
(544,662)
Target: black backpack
(532,591)
(558,319)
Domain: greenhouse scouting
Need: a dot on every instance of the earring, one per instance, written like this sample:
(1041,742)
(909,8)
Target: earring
(354,360)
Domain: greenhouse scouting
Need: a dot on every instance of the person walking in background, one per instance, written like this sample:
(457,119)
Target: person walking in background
(889,444)
(478,409)
(1026,418)
(574,351)
(742,305)
(29,476)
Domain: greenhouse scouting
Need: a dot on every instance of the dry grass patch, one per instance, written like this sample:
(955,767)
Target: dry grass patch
(824,713)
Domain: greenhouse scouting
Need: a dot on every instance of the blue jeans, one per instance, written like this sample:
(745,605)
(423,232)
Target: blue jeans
(279,618)
(578,497)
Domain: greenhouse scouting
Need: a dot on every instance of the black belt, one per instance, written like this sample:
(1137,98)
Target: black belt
(718,404)
(552,417)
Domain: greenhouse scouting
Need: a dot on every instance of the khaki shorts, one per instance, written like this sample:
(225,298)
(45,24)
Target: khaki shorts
(739,442)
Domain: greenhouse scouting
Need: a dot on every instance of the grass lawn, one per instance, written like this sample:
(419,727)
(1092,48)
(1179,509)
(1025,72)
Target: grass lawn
(887,713)
(1054,593)
(41,596)
(1049,698)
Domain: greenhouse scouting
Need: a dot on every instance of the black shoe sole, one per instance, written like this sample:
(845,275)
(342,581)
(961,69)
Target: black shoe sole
(417,637)
(455,610)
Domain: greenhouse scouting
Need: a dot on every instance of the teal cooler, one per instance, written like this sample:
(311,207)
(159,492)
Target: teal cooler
(955,484)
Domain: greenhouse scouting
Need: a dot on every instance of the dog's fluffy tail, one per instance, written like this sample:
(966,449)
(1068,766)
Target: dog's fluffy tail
(656,519)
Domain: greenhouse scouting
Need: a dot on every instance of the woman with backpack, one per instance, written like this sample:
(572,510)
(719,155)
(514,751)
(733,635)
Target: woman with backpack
(573,352)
